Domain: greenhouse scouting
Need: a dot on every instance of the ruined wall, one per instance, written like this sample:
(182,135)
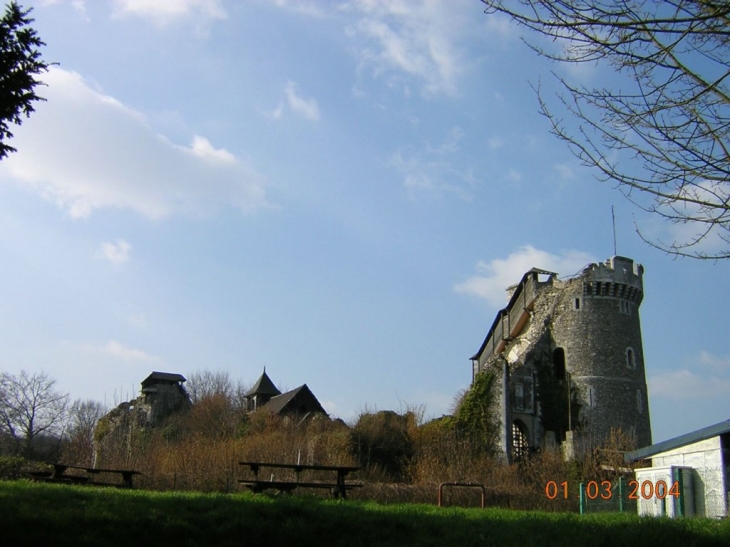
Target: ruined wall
(163,400)
(579,354)
(125,424)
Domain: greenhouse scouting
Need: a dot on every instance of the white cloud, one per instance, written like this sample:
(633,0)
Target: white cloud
(118,252)
(115,349)
(165,11)
(277,113)
(714,362)
(707,376)
(118,352)
(78,5)
(413,40)
(495,276)
(202,148)
(302,7)
(405,40)
(304,107)
(566,171)
(138,319)
(683,384)
(501,28)
(451,143)
(431,171)
(85,150)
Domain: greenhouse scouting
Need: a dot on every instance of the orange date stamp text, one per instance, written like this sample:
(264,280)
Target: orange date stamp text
(605,490)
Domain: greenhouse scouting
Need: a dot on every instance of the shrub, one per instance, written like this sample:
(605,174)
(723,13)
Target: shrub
(382,443)
(16,467)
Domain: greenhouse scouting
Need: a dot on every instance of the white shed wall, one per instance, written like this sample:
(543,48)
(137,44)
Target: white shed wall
(705,457)
(668,505)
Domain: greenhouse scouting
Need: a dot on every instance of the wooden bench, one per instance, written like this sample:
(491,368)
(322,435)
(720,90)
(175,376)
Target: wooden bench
(338,488)
(58,475)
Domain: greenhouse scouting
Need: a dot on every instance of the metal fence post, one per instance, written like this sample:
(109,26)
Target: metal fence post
(680,483)
(621,494)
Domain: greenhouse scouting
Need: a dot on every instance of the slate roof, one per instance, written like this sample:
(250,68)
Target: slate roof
(677,442)
(163,377)
(263,386)
(280,402)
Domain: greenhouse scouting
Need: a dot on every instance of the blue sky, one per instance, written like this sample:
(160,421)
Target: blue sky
(337,191)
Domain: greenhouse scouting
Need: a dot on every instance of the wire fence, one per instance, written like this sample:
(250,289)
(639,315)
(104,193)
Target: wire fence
(606,497)
(666,491)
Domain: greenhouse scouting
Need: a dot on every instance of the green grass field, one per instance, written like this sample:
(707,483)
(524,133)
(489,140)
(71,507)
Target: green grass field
(57,515)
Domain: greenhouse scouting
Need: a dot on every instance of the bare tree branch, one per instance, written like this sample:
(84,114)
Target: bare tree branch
(30,406)
(662,134)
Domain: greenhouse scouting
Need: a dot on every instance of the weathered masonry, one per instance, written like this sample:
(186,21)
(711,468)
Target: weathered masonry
(162,395)
(568,359)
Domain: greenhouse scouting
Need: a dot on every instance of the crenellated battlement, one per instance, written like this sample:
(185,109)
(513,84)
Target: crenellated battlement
(618,277)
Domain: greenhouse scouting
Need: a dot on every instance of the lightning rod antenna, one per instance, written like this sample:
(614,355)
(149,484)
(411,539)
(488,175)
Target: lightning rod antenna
(613,219)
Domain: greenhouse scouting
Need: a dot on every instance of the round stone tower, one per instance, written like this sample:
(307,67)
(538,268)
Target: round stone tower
(596,338)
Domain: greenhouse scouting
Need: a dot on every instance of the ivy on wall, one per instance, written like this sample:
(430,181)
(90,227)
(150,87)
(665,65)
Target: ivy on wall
(475,416)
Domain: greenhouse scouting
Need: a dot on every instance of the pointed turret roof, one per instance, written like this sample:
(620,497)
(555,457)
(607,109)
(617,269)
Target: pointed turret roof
(264,386)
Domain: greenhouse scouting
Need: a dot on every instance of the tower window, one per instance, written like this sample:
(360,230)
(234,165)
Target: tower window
(591,396)
(576,304)
(625,307)
(639,401)
(630,358)
(519,396)
(523,400)
(559,363)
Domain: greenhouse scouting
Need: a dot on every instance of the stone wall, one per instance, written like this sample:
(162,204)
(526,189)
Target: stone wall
(601,337)
(117,430)
(582,335)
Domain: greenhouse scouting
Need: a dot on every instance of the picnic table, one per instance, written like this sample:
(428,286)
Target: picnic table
(59,475)
(338,488)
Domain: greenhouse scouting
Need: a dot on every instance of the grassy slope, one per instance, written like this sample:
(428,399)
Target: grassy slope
(35,514)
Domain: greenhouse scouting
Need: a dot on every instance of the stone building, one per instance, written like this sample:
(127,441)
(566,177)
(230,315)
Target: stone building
(568,360)
(162,394)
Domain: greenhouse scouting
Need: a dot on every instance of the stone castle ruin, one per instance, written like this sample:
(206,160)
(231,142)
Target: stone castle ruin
(568,360)
(162,395)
